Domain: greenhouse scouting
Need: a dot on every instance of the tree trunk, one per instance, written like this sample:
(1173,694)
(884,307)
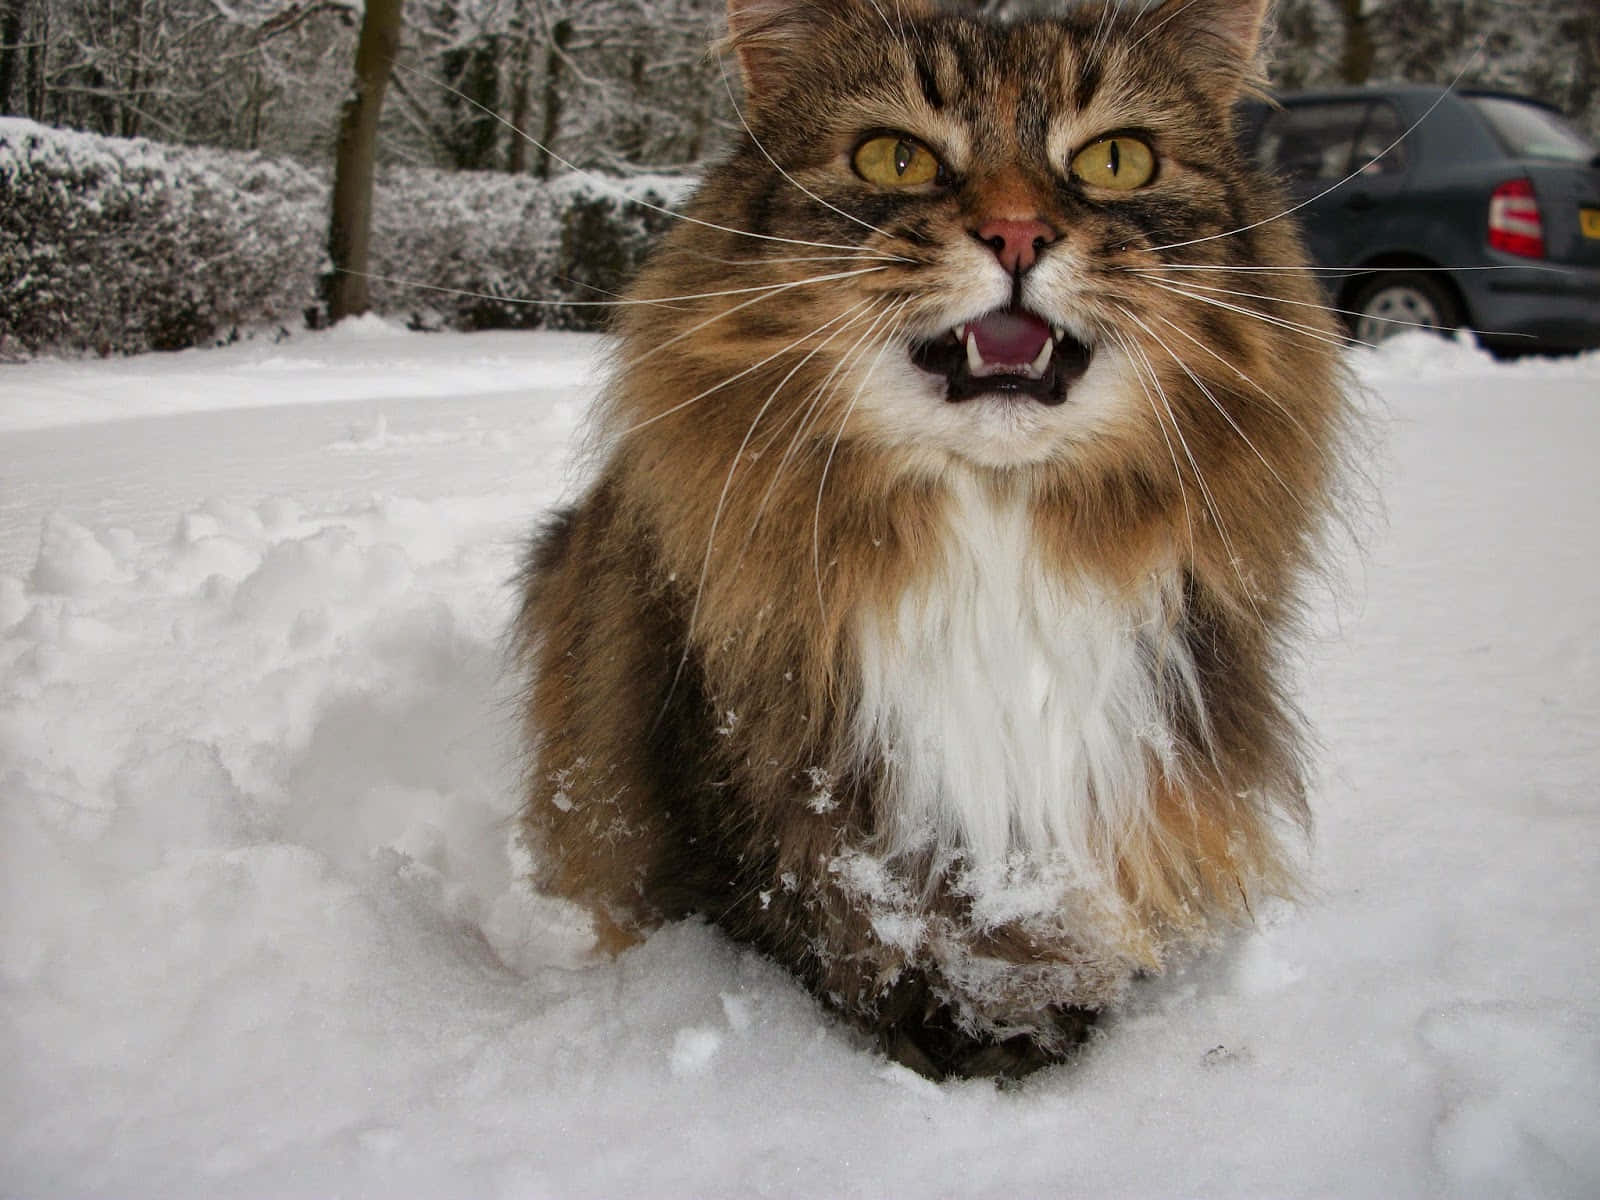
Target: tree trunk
(39,65)
(345,287)
(130,121)
(11,22)
(521,104)
(561,34)
(521,87)
(1357,52)
(1586,78)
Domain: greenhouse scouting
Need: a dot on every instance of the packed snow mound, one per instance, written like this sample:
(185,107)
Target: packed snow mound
(263,929)
(1417,356)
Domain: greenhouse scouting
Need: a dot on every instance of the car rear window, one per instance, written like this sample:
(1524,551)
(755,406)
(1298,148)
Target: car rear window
(1528,131)
(1327,141)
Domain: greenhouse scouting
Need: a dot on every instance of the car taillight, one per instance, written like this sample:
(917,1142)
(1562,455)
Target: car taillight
(1514,224)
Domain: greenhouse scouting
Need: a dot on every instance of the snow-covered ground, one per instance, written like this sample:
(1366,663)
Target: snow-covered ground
(260,934)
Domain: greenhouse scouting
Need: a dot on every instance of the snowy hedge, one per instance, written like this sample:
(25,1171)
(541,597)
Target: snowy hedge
(486,250)
(119,246)
(115,245)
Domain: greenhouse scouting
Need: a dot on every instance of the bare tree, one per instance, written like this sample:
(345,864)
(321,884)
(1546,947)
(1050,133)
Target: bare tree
(345,286)
(522,35)
(12,15)
(555,56)
(1549,49)
(622,85)
(1357,50)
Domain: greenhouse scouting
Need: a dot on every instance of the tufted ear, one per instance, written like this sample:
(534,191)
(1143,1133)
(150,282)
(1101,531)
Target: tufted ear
(1224,36)
(772,37)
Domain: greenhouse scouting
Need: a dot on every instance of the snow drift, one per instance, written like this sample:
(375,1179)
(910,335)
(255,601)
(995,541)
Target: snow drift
(260,933)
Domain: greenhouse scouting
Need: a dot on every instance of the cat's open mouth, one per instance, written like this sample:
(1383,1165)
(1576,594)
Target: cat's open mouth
(1010,352)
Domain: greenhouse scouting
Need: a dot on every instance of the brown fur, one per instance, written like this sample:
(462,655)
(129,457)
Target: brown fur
(689,624)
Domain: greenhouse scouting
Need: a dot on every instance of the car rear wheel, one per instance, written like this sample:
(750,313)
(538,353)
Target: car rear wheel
(1396,301)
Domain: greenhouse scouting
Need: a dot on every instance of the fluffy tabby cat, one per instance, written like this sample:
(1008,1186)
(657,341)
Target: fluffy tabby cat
(923,623)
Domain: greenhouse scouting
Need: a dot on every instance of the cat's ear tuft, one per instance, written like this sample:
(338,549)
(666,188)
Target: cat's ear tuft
(1225,36)
(771,37)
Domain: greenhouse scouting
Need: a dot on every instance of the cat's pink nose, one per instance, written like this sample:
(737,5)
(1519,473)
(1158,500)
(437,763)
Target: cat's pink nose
(1015,243)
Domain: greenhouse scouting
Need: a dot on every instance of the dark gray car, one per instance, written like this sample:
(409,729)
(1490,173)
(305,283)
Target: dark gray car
(1485,214)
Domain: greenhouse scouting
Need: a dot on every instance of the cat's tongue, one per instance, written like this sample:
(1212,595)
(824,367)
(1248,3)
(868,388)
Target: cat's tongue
(1007,339)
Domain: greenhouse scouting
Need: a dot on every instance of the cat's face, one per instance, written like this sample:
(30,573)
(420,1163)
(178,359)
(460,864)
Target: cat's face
(1006,203)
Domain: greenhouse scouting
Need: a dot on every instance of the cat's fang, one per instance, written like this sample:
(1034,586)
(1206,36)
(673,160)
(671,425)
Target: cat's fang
(1041,363)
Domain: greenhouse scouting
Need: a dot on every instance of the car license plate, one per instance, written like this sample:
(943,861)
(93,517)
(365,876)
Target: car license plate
(1589,222)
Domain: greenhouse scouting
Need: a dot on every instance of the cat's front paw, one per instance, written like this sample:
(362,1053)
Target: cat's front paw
(935,1047)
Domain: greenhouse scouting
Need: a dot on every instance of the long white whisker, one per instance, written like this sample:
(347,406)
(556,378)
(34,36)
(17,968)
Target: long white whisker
(804,407)
(734,378)
(827,465)
(898,35)
(1215,403)
(768,287)
(1344,312)
(855,315)
(1100,26)
(1177,471)
(1308,331)
(1310,269)
(1200,480)
(1266,395)
(1156,28)
(739,112)
(664,301)
(806,413)
(1177,429)
(728,312)
(733,467)
(863,256)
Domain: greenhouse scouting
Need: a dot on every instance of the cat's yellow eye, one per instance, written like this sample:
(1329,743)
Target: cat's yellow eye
(894,160)
(1118,163)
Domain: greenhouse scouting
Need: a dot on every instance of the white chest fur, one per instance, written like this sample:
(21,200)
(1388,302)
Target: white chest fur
(1019,711)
